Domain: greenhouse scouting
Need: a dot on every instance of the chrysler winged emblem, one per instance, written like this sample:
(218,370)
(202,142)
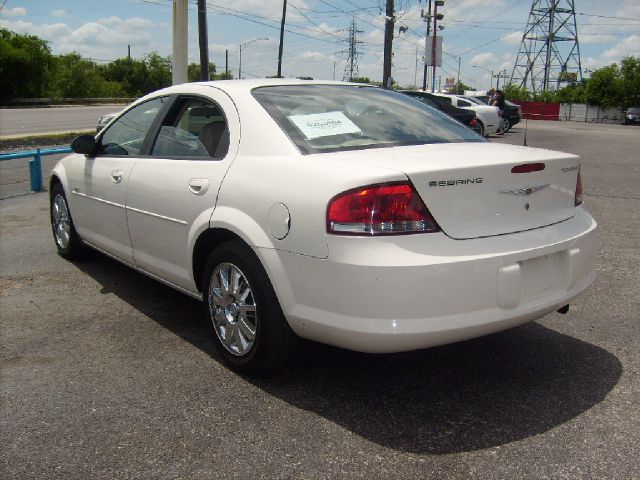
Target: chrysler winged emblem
(526,191)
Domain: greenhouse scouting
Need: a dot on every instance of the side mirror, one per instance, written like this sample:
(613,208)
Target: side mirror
(85,144)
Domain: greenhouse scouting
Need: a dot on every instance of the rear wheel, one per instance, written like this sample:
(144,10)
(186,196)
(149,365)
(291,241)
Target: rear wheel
(480,128)
(67,240)
(250,331)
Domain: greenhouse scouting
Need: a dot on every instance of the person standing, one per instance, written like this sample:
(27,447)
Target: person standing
(497,100)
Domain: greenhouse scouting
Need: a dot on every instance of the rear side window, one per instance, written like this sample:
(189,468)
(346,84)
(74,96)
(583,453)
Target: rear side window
(194,128)
(330,118)
(126,135)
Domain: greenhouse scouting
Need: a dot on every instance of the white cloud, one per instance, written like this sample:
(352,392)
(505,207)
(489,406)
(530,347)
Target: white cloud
(628,46)
(309,55)
(46,31)
(484,59)
(59,13)
(513,38)
(13,12)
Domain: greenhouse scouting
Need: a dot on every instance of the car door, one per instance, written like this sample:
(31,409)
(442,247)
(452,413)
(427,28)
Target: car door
(172,192)
(99,187)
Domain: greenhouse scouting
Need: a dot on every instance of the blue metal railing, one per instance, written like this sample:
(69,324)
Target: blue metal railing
(35,164)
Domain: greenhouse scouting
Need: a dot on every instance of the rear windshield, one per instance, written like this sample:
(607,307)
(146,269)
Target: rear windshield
(331,118)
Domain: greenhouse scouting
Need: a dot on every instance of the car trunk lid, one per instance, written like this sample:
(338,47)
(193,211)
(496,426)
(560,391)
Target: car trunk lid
(482,189)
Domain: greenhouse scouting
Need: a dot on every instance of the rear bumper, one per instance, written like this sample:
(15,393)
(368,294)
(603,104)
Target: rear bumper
(405,293)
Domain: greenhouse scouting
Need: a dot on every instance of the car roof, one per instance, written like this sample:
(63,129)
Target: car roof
(245,86)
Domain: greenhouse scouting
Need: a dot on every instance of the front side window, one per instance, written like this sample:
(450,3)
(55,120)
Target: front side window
(330,118)
(126,135)
(194,128)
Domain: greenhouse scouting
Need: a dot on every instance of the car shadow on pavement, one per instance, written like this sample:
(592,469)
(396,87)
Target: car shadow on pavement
(468,396)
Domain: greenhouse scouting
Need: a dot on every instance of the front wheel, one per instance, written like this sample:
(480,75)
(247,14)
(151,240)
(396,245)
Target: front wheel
(250,331)
(67,240)
(506,124)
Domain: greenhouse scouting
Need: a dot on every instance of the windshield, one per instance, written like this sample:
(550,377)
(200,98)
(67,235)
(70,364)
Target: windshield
(330,118)
(634,111)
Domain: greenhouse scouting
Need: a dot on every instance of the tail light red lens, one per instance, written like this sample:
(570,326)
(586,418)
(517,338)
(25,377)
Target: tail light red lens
(578,200)
(384,209)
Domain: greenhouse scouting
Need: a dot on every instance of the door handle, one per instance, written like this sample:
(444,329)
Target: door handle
(199,186)
(116,176)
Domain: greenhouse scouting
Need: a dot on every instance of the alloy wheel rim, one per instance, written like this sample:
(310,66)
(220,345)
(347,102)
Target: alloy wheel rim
(232,309)
(61,221)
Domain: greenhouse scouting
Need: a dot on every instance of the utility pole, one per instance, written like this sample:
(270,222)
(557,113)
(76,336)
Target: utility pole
(501,74)
(458,84)
(388,45)
(434,44)
(226,64)
(427,19)
(203,40)
(129,52)
(284,15)
(180,41)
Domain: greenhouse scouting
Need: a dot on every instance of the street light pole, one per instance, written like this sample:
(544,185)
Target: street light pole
(244,44)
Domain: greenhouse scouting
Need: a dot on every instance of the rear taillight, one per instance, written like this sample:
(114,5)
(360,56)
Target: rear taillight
(384,209)
(578,199)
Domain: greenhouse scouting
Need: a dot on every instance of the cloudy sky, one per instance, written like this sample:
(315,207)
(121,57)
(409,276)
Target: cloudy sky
(485,34)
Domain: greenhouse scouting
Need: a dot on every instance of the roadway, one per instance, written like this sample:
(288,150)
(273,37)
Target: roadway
(35,121)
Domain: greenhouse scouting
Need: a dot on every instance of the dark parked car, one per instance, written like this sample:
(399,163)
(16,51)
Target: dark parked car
(512,112)
(632,116)
(466,117)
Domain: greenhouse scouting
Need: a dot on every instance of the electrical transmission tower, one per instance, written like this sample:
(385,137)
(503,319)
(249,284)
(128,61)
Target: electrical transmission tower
(351,69)
(549,52)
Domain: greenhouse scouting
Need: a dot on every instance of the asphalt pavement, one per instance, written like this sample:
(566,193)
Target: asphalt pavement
(34,121)
(108,374)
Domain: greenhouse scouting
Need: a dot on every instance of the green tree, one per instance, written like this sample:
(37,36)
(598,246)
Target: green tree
(460,88)
(193,72)
(575,93)
(158,72)
(603,87)
(514,92)
(76,77)
(630,82)
(139,77)
(25,66)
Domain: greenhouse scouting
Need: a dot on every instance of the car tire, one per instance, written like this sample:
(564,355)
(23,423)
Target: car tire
(249,329)
(68,242)
(506,124)
(480,130)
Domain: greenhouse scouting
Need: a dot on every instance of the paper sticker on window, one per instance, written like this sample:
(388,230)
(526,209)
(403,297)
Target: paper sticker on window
(318,125)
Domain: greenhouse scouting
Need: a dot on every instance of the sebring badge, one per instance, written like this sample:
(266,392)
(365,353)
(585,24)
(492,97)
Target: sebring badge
(526,191)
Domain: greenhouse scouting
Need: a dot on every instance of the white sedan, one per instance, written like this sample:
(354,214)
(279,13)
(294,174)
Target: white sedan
(341,213)
(487,116)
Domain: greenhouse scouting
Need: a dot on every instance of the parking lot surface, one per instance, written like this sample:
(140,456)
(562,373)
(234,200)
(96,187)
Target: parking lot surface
(108,374)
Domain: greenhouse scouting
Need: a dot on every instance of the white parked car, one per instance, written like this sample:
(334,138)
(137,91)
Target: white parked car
(341,213)
(487,116)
